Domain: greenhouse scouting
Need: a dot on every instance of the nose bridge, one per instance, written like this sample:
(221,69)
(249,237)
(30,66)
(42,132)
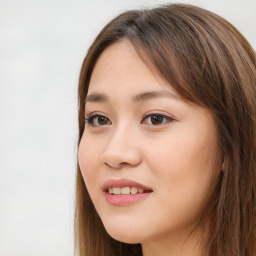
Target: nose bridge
(122,147)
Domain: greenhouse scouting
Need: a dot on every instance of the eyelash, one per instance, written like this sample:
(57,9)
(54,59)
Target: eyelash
(165,119)
(90,119)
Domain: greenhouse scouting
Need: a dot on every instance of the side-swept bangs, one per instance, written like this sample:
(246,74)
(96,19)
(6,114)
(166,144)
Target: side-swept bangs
(209,63)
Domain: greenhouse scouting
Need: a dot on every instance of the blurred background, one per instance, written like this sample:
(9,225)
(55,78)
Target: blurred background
(42,45)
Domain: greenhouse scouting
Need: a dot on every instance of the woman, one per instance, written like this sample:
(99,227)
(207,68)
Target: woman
(167,137)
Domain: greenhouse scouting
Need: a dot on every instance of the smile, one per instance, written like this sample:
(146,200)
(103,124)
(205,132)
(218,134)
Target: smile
(125,190)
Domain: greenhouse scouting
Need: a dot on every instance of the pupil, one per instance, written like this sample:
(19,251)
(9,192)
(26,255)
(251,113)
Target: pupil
(156,119)
(102,120)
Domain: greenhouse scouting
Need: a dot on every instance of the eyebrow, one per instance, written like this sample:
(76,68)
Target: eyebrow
(97,97)
(152,95)
(100,97)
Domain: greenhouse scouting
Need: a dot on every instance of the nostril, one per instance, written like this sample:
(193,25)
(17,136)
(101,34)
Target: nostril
(117,155)
(114,166)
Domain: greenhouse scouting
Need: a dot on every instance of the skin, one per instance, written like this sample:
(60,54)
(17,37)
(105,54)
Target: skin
(176,157)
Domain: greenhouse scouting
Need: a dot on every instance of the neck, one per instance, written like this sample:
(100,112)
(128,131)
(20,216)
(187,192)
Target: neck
(177,244)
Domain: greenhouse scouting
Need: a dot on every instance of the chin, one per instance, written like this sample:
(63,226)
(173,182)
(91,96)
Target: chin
(125,233)
(125,237)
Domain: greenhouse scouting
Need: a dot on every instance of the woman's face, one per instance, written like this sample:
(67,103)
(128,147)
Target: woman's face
(148,158)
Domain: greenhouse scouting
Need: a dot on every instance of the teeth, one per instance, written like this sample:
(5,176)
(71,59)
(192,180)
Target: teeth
(116,191)
(140,190)
(134,190)
(125,190)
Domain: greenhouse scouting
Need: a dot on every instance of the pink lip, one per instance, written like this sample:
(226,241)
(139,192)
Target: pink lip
(120,183)
(123,200)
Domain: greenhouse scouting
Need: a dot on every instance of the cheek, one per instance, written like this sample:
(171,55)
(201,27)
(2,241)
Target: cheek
(179,155)
(184,167)
(88,161)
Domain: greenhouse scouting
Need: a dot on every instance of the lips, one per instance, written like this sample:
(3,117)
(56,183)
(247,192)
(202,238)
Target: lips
(124,183)
(124,192)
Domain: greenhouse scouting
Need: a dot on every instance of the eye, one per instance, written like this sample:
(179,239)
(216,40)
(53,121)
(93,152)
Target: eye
(156,119)
(97,120)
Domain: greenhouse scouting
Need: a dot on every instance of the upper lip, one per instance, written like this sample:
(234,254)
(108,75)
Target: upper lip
(123,183)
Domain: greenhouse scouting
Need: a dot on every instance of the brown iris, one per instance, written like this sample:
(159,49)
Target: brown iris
(102,120)
(156,119)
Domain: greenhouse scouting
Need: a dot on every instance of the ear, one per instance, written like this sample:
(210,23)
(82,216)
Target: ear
(224,164)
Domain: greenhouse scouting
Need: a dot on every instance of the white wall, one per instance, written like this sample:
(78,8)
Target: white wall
(42,44)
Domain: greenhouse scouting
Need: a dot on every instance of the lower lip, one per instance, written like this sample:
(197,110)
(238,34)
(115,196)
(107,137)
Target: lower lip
(122,200)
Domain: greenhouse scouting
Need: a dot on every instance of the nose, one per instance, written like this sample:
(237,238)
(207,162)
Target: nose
(122,149)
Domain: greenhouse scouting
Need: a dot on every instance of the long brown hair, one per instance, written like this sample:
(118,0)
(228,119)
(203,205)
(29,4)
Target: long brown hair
(208,62)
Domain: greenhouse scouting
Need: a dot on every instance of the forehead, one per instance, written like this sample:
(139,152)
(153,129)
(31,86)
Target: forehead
(119,67)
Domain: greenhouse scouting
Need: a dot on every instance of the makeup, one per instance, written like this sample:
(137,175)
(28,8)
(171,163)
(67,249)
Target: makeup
(123,192)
